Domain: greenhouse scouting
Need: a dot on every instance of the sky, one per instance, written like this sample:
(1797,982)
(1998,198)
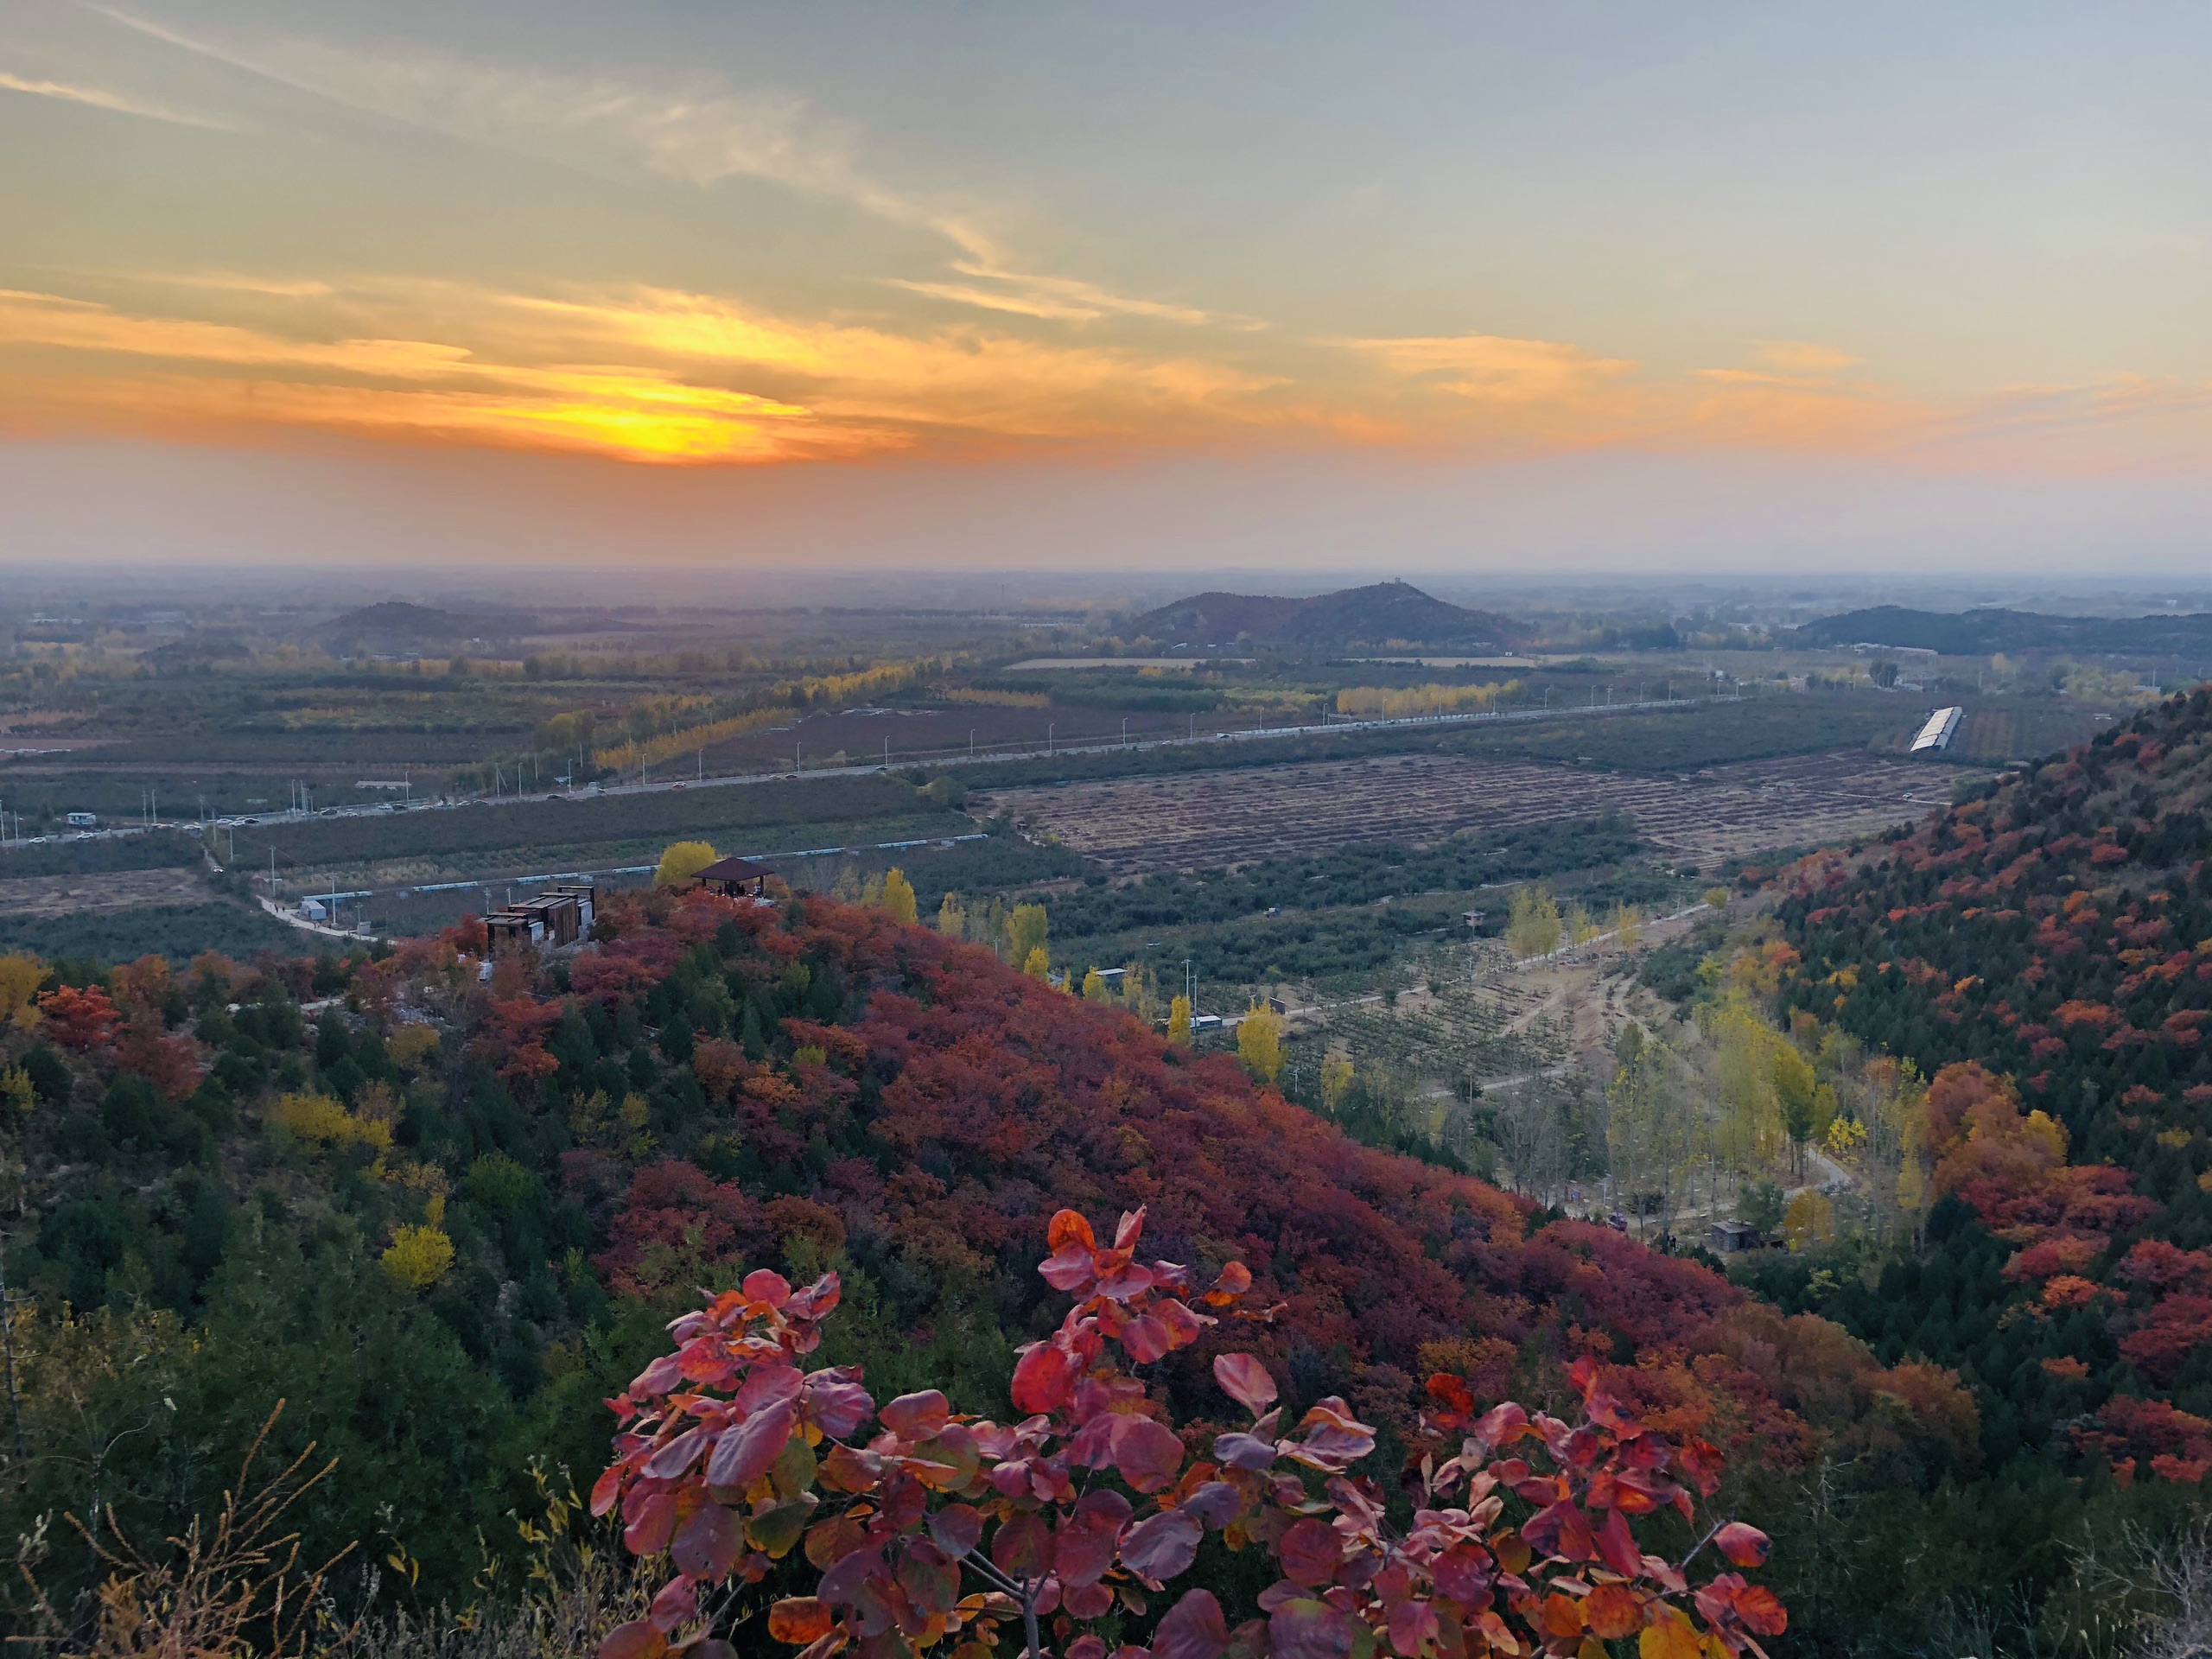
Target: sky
(1455,287)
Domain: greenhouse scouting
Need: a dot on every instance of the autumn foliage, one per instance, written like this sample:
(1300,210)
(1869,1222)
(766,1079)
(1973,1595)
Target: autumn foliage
(731,1455)
(2046,952)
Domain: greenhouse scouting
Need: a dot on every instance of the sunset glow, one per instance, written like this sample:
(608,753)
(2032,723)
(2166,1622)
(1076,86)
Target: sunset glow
(764,243)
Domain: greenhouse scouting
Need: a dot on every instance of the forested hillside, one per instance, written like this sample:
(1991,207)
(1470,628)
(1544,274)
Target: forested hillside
(2050,944)
(444,1216)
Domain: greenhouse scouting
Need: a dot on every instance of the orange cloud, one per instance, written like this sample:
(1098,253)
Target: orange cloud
(1489,368)
(644,375)
(659,375)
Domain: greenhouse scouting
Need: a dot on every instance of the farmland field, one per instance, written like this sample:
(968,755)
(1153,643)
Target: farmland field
(61,895)
(1136,825)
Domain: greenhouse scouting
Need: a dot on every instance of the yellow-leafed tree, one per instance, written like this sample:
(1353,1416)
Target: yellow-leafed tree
(20,977)
(418,1257)
(683,860)
(1532,928)
(1094,988)
(1259,1042)
(1179,1023)
(898,895)
(412,1045)
(321,1121)
(951,919)
(1037,964)
(1026,932)
(1336,1078)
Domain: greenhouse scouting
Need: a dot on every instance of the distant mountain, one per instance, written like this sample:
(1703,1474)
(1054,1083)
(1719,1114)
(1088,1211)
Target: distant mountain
(1979,632)
(398,623)
(1383,613)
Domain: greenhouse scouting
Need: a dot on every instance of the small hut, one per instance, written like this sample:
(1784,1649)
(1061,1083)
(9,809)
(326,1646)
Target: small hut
(735,878)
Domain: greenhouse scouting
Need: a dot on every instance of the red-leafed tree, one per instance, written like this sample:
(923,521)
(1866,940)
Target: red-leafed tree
(730,1456)
(171,1064)
(79,1019)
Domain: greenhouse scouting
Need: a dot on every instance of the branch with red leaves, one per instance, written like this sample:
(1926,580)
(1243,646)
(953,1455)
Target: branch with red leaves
(730,1456)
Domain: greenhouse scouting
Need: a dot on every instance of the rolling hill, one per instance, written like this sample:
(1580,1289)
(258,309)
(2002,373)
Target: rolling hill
(1982,633)
(2050,943)
(396,625)
(450,1219)
(1380,616)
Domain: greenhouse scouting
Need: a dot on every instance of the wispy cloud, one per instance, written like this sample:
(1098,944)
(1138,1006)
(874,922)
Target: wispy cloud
(1496,369)
(1803,357)
(1065,298)
(698,131)
(100,98)
(984,299)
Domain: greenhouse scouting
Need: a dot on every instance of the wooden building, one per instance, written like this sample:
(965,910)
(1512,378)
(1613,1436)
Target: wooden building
(562,915)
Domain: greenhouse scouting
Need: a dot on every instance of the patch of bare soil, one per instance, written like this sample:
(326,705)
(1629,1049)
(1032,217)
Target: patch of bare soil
(50,896)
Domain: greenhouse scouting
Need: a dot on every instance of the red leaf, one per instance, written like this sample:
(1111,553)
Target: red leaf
(1021,1548)
(1146,1338)
(1215,1502)
(1560,1529)
(706,1546)
(1463,1572)
(1611,1611)
(768,1385)
(1193,1628)
(1146,1453)
(636,1640)
(1161,1547)
(1125,1235)
(1728,1602)
(766,1287)
(1070,1269)
(1309,1629)
(679,1454)
(1244,1451)
(1068,1228)
(1235,1279)
(1616,1547)
(678,1600)
(746,1452)
(798,1620)
(917,1416)
(1744,1546)
(834,1402)
(1083,1547)
(956,1528)
(1244,1380)
(606,1489)
(1310,1553)
(1043,1378)
(929,1577)
(1413,1626)
(648,1534)
(1501,1425)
